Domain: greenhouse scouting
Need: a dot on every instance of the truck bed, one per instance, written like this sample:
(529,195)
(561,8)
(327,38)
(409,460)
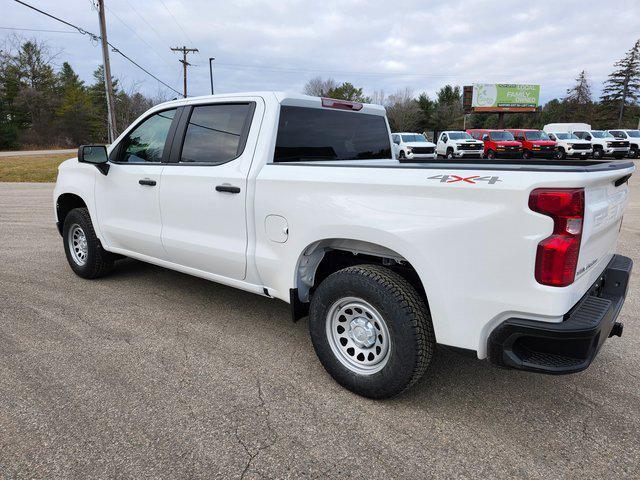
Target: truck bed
(532,165)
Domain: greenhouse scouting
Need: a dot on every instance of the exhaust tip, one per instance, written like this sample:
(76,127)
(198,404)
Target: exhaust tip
(617,329)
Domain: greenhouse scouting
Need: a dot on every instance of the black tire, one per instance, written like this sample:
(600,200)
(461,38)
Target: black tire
(633,153)
(405,315)
(450,154)
(598,153)
(491,154)
(560,154)
(526,154)
(401,155)
(97,261)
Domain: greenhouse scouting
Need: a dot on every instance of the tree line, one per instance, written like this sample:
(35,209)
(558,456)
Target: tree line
(617,106)
(41,106)
(44,107)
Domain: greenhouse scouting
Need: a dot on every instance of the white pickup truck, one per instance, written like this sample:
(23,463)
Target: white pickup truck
(298,198)
(409,147)
(602,142)
(457,144)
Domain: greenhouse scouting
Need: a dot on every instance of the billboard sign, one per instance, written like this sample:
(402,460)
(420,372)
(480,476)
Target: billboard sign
(505,97)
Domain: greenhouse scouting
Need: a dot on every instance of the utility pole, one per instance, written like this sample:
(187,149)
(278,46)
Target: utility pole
(108,85)
(211,59)
(184,63)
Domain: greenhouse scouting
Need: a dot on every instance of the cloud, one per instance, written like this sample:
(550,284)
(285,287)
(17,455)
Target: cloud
(374,44)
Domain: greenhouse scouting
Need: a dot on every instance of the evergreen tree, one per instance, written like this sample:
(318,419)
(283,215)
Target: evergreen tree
(75,113)
(347,91)
(623,85)
(580,93)
(98,96)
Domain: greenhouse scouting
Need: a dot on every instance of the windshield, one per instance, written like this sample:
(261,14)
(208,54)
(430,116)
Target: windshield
(634,133)
(601,134)
(501,136)
(460,136)
(414,137)
(566,136)
(537,135)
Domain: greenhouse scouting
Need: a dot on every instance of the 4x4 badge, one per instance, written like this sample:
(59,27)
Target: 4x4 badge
(473,179)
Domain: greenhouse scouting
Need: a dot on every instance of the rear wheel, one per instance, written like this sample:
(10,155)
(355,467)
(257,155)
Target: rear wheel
(371,330)
(84,252)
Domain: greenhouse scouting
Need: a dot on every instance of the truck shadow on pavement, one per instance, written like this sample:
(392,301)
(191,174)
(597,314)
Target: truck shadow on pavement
(452,379)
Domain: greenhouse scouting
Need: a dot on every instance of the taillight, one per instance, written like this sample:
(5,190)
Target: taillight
(557,255)
(341,104)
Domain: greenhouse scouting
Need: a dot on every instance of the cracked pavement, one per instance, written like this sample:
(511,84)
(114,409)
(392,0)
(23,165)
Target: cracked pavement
(150,373)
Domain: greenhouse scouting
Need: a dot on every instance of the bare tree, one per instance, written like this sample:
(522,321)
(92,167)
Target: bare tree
(378,97)
(403,111)
(318,86)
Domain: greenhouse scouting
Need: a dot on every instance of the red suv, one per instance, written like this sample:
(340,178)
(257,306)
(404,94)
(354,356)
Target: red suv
(535,143)
(497,143)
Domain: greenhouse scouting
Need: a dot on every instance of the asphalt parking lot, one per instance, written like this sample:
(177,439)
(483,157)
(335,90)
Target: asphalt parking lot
(150,373)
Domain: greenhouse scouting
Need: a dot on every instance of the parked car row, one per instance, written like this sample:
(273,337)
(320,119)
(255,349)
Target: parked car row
(556,140)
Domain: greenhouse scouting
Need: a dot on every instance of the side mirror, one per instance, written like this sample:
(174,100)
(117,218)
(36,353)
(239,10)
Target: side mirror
(95,155)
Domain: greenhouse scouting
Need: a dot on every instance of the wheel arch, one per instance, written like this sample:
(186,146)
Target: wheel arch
(66,202)
(324,257)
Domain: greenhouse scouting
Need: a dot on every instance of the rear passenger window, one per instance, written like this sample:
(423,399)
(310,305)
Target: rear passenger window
(313,134)
(216,134)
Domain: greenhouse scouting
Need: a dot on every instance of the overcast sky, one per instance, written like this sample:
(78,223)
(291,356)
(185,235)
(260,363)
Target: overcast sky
(379,45)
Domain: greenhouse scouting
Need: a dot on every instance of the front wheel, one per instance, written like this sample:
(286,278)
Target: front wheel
(560,154)
(450,155)
(633,153)
(491,155)
(371,330)
(84,252)
(526,154)
(598,153)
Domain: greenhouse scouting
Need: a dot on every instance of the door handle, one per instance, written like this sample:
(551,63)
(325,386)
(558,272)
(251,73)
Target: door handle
(227,188)
(147,181)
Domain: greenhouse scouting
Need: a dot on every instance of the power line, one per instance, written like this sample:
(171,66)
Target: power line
(176,21)
(96,38)
(340,72)
(38,30)
(141,17)
(137,35)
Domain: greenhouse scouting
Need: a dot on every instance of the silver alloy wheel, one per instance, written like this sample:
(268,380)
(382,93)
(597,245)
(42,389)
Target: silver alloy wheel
(78,246)
(358,335)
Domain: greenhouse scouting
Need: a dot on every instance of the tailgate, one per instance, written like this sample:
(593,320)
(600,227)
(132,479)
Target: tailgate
(605,201)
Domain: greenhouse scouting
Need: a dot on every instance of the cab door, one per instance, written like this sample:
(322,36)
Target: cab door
(127,201)
(203,196)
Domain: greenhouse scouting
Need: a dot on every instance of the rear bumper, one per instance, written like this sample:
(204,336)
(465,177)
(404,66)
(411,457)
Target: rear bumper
(571,345)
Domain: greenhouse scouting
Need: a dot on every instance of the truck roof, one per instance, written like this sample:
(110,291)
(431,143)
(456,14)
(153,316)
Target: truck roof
(284,98)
